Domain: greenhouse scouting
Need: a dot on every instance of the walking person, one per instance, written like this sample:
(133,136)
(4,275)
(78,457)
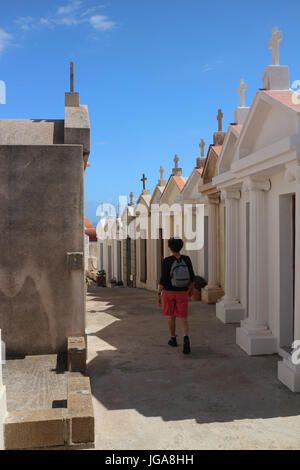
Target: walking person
(175,287)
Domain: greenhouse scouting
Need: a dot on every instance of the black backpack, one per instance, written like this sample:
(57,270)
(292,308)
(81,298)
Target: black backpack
(180,274)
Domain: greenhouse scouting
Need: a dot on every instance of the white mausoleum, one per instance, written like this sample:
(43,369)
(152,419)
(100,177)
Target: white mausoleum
(259,180)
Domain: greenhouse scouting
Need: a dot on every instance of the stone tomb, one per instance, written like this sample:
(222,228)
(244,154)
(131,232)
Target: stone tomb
(42,293)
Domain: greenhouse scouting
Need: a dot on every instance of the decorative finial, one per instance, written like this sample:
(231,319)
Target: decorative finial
(176,171)
(143,180)
(161,170)
(161,181)
(72,77)
(176,160)
(273,44)
(131,198)
(241,92)
(219,119)
(202,147)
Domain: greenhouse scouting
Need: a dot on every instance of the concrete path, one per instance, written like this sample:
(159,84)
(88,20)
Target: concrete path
(150,396)
(35,383)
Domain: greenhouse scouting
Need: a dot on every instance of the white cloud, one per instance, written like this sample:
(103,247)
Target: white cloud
(5,39)
(45,22)
(206,68)
(211,66)
(72,14)
(89,11)
(70,8)
(102,23)
(67,21)
(25,22)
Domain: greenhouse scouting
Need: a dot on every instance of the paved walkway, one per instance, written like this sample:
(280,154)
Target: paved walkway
(35,383)
(150,396)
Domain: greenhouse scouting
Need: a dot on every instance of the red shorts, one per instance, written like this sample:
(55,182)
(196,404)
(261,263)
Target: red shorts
(175,303)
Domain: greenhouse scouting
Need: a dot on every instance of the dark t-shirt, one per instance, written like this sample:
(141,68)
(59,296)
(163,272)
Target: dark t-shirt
(165,279)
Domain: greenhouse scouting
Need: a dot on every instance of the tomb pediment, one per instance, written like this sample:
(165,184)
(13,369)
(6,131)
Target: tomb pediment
(210,168)
(173,189)
(156,196)
(228,153)
(143,203)
(272,117)
(190,190)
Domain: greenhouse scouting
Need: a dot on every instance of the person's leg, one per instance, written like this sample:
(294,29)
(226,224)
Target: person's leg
(168,310)
(172,325)
(182,312)
(184,326)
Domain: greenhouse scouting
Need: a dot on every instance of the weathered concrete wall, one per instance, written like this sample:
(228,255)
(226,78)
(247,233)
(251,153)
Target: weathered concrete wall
(41,199)
(31,132)
(2,402)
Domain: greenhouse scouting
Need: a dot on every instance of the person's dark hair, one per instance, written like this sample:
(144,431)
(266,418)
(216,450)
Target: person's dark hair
(175,244)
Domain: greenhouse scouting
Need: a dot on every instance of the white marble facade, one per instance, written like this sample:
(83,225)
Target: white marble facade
(259,179)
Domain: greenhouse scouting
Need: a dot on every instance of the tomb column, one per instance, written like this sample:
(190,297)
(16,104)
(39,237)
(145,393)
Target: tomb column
(294,175)
(289,367)
(212,292)
(229,310)
(254,336)
(213,204)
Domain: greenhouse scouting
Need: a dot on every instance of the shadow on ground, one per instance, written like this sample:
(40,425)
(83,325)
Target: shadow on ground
(135,369)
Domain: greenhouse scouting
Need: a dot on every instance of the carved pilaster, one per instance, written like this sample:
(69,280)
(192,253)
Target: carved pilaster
(254,336)
(212,291)
(229,310)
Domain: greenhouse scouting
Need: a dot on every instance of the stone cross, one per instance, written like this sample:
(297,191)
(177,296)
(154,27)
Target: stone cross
(219,119)
(161,170)
(143,180)
(276,37)
(202,146)
(176,160)
(241,91)
(72,77)
(131,198)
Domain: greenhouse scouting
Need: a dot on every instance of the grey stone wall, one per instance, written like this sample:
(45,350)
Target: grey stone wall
(42,302)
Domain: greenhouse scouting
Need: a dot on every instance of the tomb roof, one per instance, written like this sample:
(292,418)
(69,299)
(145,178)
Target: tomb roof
(180,181)
(285,97)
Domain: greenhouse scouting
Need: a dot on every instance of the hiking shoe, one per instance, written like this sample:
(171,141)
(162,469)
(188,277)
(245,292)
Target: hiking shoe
(173,342)
(186,345)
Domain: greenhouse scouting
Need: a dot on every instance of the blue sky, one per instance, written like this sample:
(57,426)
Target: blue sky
(153,74)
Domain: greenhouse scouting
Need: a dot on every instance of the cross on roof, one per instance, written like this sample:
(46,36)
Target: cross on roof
(202,146)
(71,77)
(143,180)
(219,119)
(176,160)
(241,91)
(276,37)
(161,170)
